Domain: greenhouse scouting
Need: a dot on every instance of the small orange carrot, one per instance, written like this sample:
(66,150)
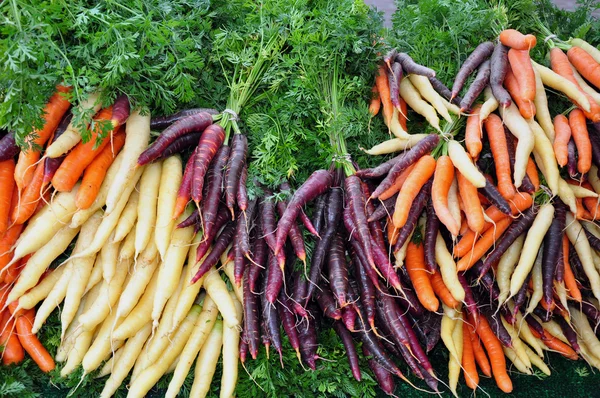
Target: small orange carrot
(375,103)
(514,39)
(442,180)
(12,351)
(441,290)
(582,213)
(29,197)
(415,266)
(496,354)
(7,185)
(487,240)
(555,344)
(532,173)
(6,244)
(392,232)
(471,203)
(403,114)
(585,64)
(519,61)
(526,107)
(383,87)
(94,174)
(480,356)
(562,136)
(397,185)
(468,360)
(497,139)
(473,132)
(421,173)
(569,278)
(31,344)
(581,137)
(53,112)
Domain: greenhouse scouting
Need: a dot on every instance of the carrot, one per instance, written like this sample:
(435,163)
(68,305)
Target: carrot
(561,139)
(532,173)
(415,265)
(442,179)
(441,290)
(494,350)
(498,144)
(480,356)
(520,61)
(383,87)
(12,351)
(402,114)
(32,345)
(517,40)
(581,137)
(526,107)
(392,232)
(555,344)
(13,271)
(471,203)
(561,65)
(7,185)
(397,185)
(29,197)
(94,174)
(487,240)
(6,244)
(375,103)
(468,359)
(585,64)
(423,170)
(53,113)
(570,282)
(82,155)
(473,132)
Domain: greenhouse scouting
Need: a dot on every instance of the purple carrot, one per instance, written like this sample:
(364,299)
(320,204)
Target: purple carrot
(318,213)
(271,320)
(410,66)
(385,209)
(374,226)
(356,203)
(371,343)
(241,241)
(288,320)
(295,235)
(499,68)
(552,243)
(595,141)
(338,270)
(390,56)
(592,239)
(120,110)
(559,273)
(572,158)
(162,122)
(349,316)
(307,333)
(307,223)
(251,317)
(577,266)
(191,220)
(569,333)
(212,259)
(181,144)
(274,279)
(333,212)
(242,191)
(196,122)
(481,81)
(359,251)
(394,77)
(366,289)
(521,296)
(422,148)
(52,164)
(8,147)
(243,350)
(327,303)
(498,328)
(237,161)
(477,57)
(470,303)
(185,187)
(384,266)
(413,215)
(211,140)
(591,312)
(534,324)
(214,189)
(432,226)
(268,224)
(388,311)
(315,185)
(348,343)
(299,294)
(515,230)
(384,378)
(493,195)
(258,263)
(239,262)
(380,170)
(443,90)
(207,240)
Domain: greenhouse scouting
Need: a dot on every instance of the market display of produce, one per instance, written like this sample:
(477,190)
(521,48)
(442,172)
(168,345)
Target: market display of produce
(242,199)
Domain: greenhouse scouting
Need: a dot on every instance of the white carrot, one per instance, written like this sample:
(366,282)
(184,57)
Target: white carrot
(127,249)
(231,354)
(519,128)
(454,367)
(396,144)
(95,276)
(110,255)
(557,82)
(585,331)
(414,100)
(143,271)
(462,161)
(149,186)
(454,203)
(217,289)
(55,297)
(448,269)
(544,148)
(128,217)
(537,361)
(489,106)
(423,85)
(542,113)
(108,366)
(506,266)
(207,361)
(41,290)
(582,246)
(170,180)
(518,345)
(103,345)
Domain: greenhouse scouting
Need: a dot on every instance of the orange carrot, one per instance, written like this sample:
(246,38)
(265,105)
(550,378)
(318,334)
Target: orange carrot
(526,107)
(391,191)
(569,278)
(487,240)
(562,132)
(471,203)
(383,87)
(480,356)
(497,139)
(555,344)
(585,64)
(532,173)
(392,232)
(403,114)
(4,291)
(375,104)
(581,137)
(582,213)
(464,227)
(519,61)
(494,350)
(29,197)
(421,173)
(473,132)
(6,244)
(468,360)
(53,112)
(514,39)
(31,344)
(7,185)
(592,205)
(415,266)
(94,174)
(12,272)
(442,180)
(561,65)
(12,351)
(441,290)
